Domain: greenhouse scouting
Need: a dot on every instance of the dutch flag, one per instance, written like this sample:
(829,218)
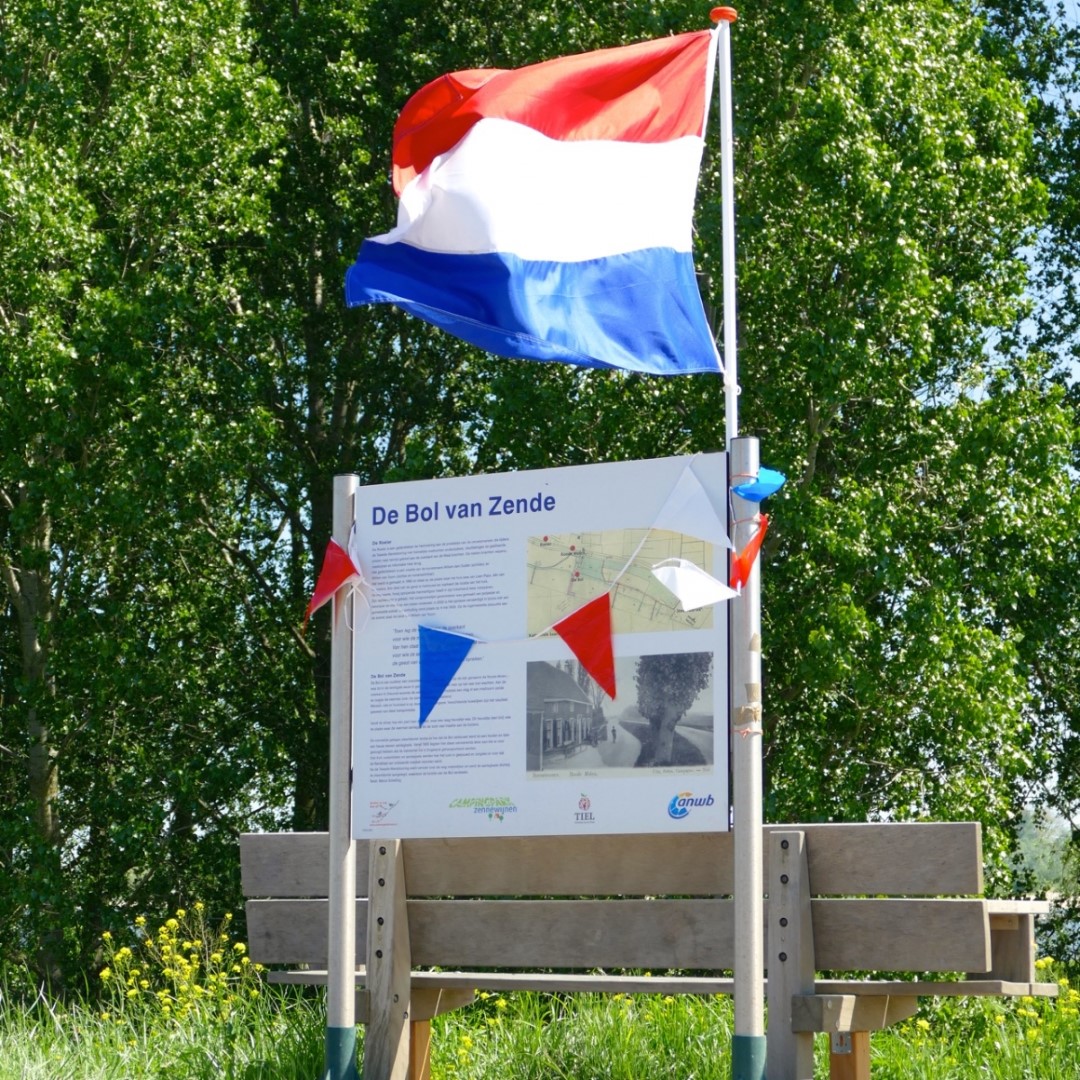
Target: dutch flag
(545,213)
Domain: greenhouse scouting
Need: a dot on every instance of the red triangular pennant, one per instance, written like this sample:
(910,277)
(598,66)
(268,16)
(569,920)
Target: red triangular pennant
(743,563)
(337,568)
(588,633)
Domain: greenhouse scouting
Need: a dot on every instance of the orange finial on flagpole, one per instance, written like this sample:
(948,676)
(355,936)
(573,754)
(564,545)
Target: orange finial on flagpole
(723,14)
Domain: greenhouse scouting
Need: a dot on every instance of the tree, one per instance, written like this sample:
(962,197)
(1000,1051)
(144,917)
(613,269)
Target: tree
(180,194)
(666,687)
(129,179)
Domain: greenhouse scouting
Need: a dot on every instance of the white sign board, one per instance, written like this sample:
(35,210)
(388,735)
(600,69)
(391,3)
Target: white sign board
(523,741)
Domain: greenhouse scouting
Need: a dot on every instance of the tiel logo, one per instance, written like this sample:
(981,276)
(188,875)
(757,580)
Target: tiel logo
(681,805)
(583,816)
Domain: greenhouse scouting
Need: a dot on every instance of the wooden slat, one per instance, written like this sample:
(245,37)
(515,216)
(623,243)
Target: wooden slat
(295,931)
(291,865)
(890,935)
(901,935)
(545,982)
(689,864)
(693,934)
(508,981)
(862,935)
(926,988)
(894,858)
(906,859)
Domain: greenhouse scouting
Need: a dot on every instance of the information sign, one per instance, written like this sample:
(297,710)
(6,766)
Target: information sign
(519,736)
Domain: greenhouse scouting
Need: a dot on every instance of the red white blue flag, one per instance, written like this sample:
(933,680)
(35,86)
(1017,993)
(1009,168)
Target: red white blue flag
(545,213)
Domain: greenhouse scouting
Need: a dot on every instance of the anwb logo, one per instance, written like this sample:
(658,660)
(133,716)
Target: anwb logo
(681,805)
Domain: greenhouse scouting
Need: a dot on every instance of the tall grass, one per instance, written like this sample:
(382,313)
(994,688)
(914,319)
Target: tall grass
(599,1037)
(176,1001)
(179,1001)
(278,1037)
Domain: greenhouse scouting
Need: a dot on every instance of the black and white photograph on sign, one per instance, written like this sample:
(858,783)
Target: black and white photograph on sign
(663,715)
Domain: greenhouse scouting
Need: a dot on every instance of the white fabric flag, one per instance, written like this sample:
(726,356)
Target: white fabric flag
(693,587)
(689,510)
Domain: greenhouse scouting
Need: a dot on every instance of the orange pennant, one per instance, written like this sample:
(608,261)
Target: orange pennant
(588,633)
(743,563)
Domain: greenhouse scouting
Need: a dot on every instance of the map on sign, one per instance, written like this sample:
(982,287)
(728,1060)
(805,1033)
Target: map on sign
(569,569)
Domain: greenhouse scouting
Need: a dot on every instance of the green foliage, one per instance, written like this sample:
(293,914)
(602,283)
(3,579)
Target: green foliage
(277,1036)
(181,190)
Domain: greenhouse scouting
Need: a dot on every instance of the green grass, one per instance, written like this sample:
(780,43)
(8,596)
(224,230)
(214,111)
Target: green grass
(275,1038)
(598,1037)
(278,1035)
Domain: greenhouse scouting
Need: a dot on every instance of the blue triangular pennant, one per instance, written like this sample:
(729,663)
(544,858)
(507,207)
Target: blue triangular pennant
(441,654)
(768,482)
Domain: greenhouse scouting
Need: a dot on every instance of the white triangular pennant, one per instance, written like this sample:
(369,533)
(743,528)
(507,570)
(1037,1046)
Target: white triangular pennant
(689,510)
(693,587)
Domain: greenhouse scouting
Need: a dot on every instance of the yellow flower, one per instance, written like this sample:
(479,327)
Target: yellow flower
(140,920)
(239,947)
(172,924)
(500,1003)
(199,906)
(922,1025)
(106,936)
(181,913)
(999,1019)
(105,975)
(132,993)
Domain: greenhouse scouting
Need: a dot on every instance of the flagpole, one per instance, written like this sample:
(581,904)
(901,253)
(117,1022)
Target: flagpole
(744,640)
(340,1060)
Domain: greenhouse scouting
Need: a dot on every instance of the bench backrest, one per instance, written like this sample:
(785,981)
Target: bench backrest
(643,901)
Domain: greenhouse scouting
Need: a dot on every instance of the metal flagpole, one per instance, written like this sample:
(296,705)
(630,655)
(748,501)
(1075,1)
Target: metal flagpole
(744,642)
(340,1062)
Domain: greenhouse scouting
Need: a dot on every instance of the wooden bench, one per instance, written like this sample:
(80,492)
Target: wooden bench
(896,898)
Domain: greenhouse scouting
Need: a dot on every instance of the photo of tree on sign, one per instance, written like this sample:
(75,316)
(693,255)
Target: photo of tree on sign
(663,715)
(673,691)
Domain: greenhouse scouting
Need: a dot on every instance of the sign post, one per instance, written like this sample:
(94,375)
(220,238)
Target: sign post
(340,1062)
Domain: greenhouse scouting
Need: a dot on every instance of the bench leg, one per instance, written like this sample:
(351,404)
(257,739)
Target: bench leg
(386,1040)
(420,1050)
(849,1056)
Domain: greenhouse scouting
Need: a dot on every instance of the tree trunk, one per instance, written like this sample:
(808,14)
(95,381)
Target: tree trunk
(664,736)
(30,588)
